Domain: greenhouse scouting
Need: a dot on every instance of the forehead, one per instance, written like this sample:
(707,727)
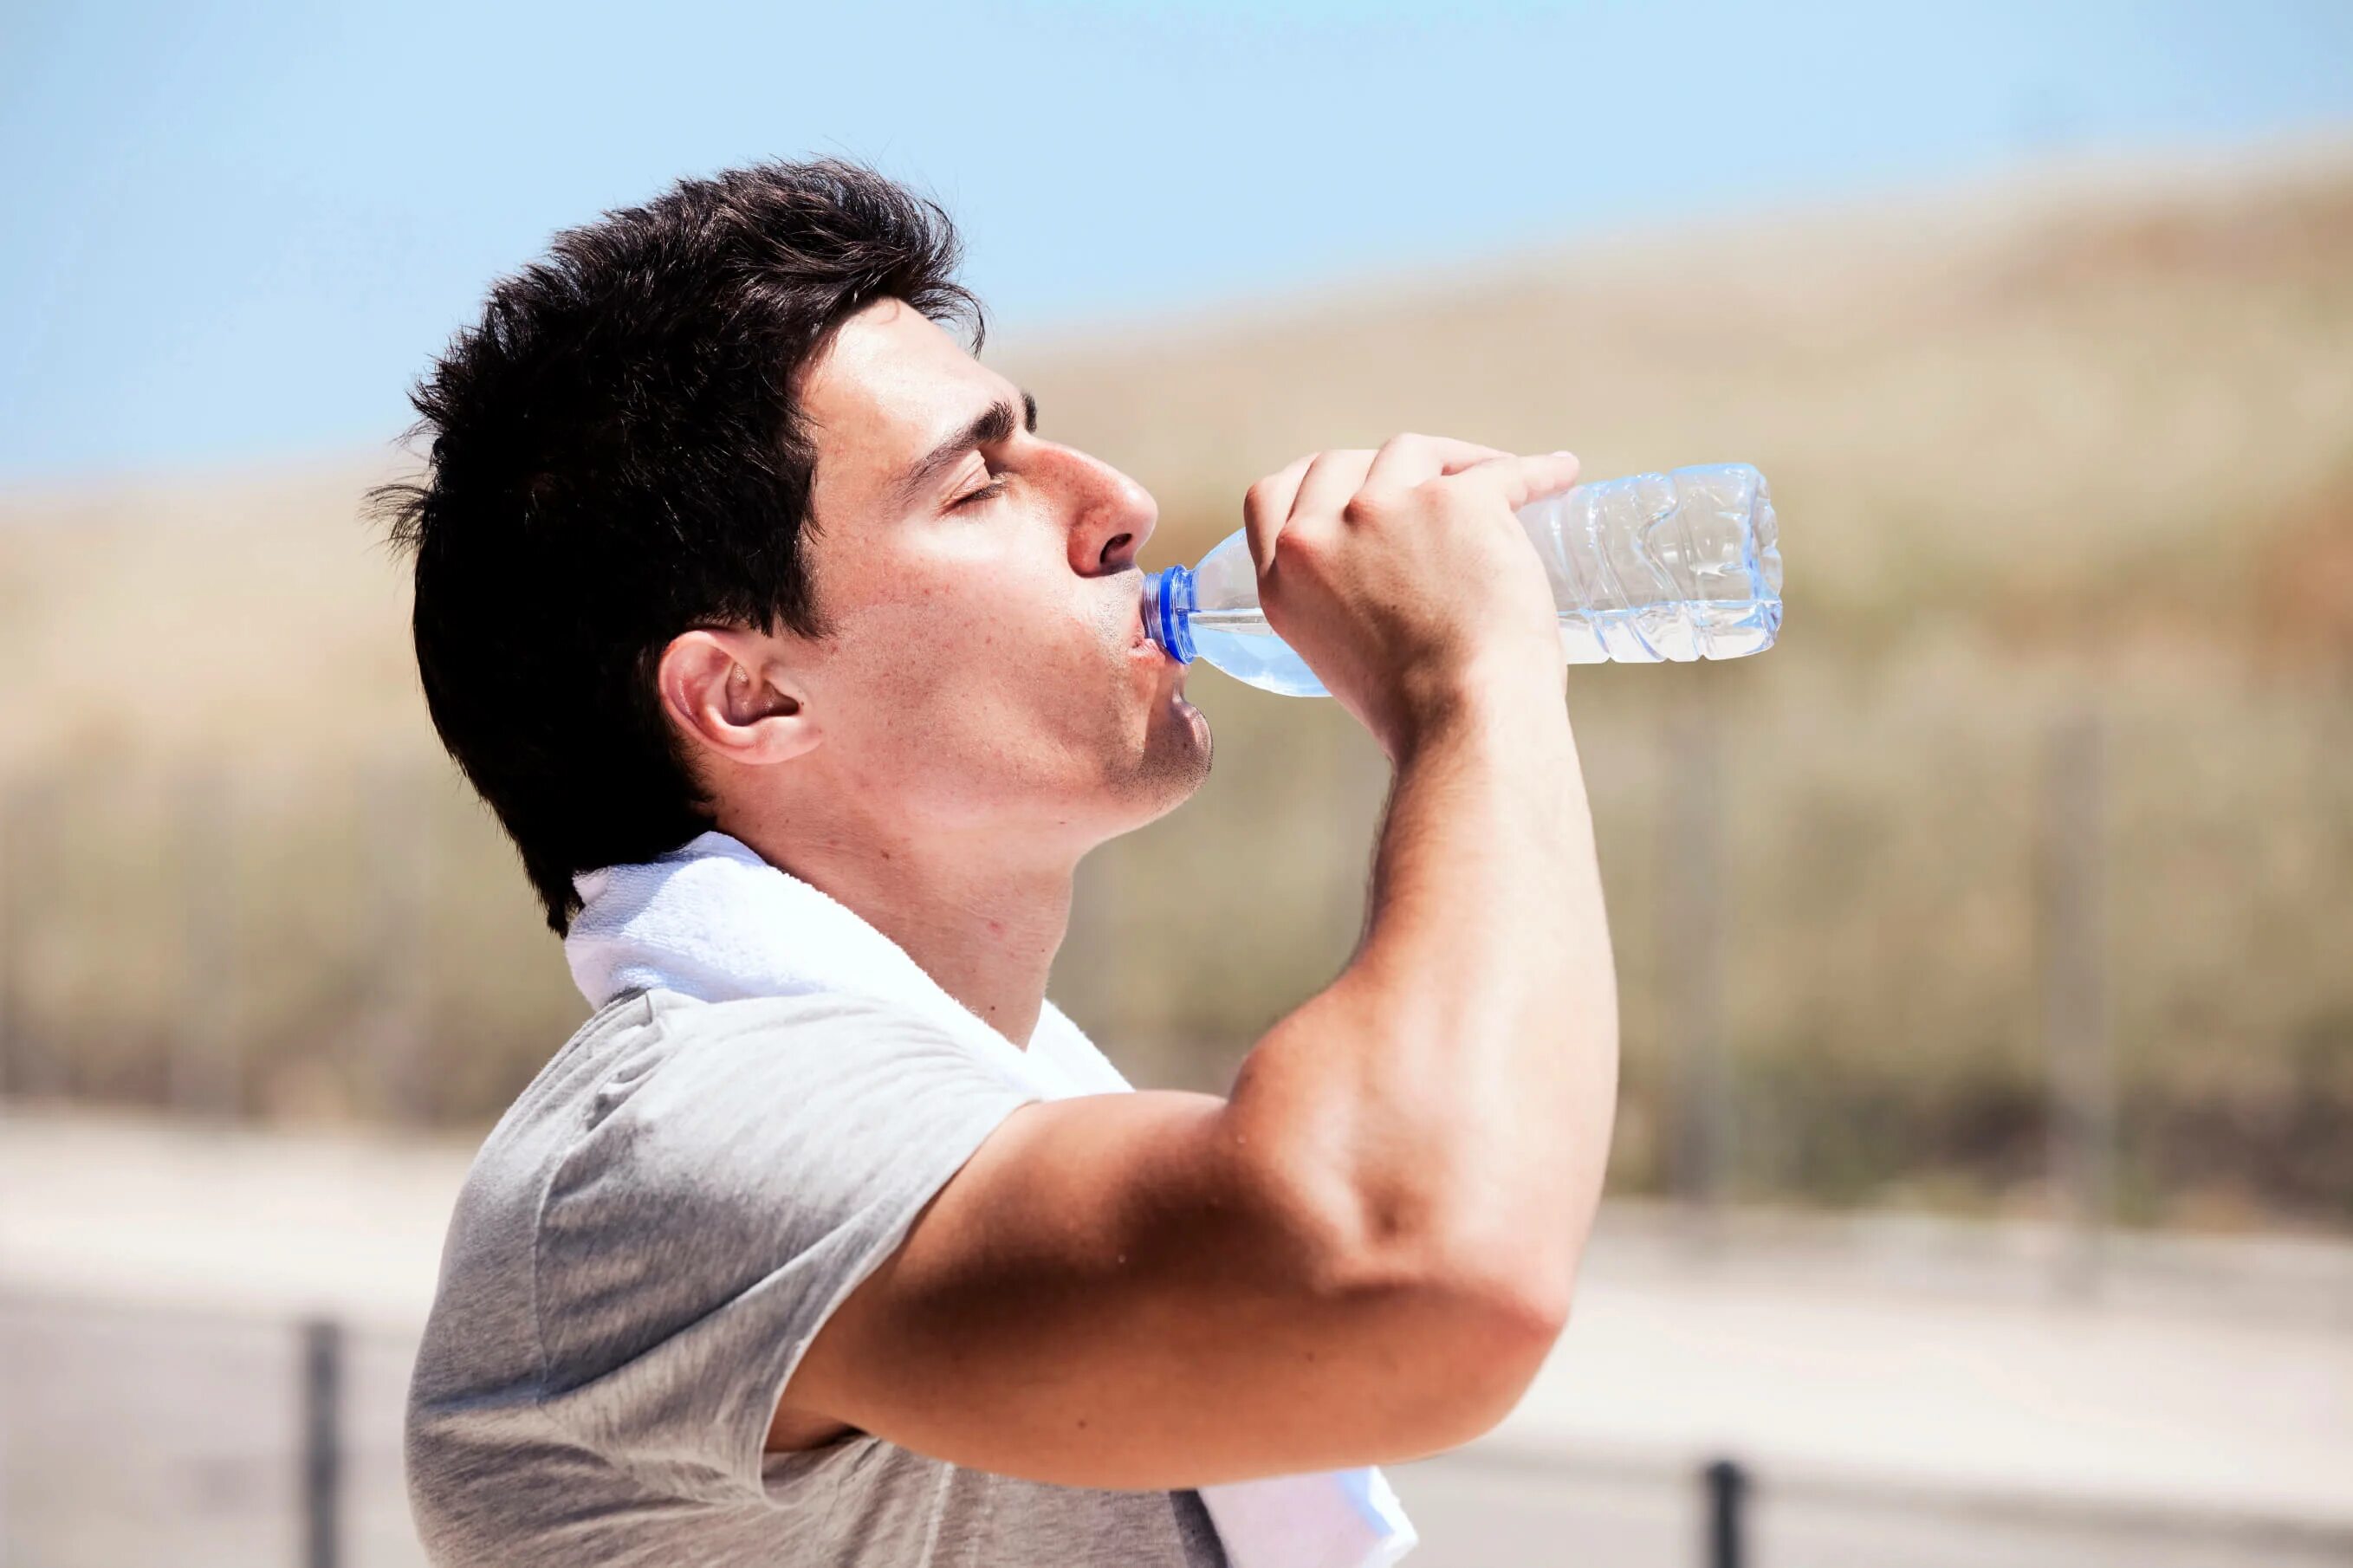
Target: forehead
(889,386)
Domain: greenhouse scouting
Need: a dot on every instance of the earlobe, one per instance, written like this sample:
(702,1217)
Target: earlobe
(732,697)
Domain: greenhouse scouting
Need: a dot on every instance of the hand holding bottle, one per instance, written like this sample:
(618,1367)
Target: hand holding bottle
(1405,579)
(1651,567)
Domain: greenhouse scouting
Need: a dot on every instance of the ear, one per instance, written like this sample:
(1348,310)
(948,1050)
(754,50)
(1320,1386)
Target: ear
(730,691)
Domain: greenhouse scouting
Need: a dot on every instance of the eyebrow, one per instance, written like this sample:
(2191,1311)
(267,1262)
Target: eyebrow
(994,424)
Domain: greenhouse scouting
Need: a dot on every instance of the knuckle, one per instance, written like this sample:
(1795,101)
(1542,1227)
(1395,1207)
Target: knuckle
(1304,547)
(1475,483)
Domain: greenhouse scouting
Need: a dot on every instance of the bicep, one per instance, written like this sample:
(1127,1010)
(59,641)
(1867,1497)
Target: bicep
(1103,1295)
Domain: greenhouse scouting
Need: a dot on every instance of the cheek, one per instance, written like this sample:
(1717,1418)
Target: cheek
(940,647)
(1009,628)
(1004,685)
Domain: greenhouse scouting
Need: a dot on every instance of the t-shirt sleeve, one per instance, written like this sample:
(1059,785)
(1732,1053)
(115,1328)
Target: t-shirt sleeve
(738,1179)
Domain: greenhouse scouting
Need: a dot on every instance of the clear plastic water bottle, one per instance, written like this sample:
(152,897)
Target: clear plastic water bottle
(1681,567)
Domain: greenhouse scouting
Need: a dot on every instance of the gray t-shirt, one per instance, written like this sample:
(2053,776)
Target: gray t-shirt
(643,1248)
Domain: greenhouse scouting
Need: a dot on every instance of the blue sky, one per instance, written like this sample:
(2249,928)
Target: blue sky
(236,232)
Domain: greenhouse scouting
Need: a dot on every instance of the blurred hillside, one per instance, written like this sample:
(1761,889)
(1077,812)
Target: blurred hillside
(2102,407)
(2072,457)
(2113,414)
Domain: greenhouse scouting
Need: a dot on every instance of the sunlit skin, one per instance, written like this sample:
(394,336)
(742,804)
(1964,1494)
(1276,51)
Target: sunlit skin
(1364,1249)
(986,708)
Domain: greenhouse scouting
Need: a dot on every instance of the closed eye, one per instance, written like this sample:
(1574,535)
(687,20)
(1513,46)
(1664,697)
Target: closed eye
(988,491)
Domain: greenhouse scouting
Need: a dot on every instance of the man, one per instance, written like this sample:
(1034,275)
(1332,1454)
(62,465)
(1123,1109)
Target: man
(732,557)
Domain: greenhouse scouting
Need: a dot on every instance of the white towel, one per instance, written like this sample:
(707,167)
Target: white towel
(713,921)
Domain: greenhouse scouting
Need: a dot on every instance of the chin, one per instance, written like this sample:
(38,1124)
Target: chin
(1163,751)
(1154,771)
(1178,751)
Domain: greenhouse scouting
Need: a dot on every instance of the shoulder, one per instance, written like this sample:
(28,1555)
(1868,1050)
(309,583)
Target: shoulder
(810,1018)
(658,1061)
(663,1108)
(737,1117)
(706,1067)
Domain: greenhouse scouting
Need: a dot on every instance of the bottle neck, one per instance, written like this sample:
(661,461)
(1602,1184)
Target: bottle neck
(1168,611)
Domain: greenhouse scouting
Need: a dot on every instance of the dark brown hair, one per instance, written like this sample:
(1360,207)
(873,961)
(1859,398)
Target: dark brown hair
(618,457)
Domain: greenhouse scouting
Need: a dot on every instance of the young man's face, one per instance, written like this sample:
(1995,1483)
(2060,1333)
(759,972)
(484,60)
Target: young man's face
(989,667)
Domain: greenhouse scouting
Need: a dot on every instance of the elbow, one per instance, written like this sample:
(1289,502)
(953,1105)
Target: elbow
(1462,1350)
(1430,1296)
(1501,1272)
(1445,1322)
(1479,1323)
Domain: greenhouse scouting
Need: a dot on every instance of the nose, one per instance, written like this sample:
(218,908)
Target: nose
(1114,518)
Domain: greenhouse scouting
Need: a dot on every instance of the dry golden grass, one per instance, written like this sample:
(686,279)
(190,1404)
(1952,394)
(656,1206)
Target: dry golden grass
(2085,443)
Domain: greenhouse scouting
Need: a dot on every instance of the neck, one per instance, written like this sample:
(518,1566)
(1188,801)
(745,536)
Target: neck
(984,925)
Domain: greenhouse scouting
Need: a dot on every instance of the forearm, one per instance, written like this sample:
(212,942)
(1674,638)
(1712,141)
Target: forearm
(1454,1088)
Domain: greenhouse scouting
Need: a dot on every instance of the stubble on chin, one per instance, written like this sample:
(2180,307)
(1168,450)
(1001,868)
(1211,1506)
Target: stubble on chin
(1175,759)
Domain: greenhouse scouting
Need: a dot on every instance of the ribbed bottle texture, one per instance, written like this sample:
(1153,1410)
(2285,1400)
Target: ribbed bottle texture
(1680,565)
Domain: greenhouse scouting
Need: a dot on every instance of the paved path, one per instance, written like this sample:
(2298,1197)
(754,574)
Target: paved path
(1819,1374)
(1905,1390)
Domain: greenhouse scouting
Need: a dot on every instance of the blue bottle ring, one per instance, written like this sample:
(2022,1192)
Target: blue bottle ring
(1171,613)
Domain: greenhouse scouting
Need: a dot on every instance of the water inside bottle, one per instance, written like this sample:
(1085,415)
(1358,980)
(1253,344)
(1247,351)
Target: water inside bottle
(1239,642)
(1649,633)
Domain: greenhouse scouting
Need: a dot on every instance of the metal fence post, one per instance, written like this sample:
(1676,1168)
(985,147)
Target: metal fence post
(205,1071)
(2070,940)
(1727,1487)
(395,955)
(12,899)
(322,1452)
(30,1068)
(1691,824)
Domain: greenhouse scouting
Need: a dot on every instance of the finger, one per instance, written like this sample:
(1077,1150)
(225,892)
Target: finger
(1520,481)
(1333,480)
(1405,461)
(1267,505)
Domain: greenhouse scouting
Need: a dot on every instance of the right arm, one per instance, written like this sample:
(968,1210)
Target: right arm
(1366,1251)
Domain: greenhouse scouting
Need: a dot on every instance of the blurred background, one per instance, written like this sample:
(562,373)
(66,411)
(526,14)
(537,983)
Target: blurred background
(1983,1186)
